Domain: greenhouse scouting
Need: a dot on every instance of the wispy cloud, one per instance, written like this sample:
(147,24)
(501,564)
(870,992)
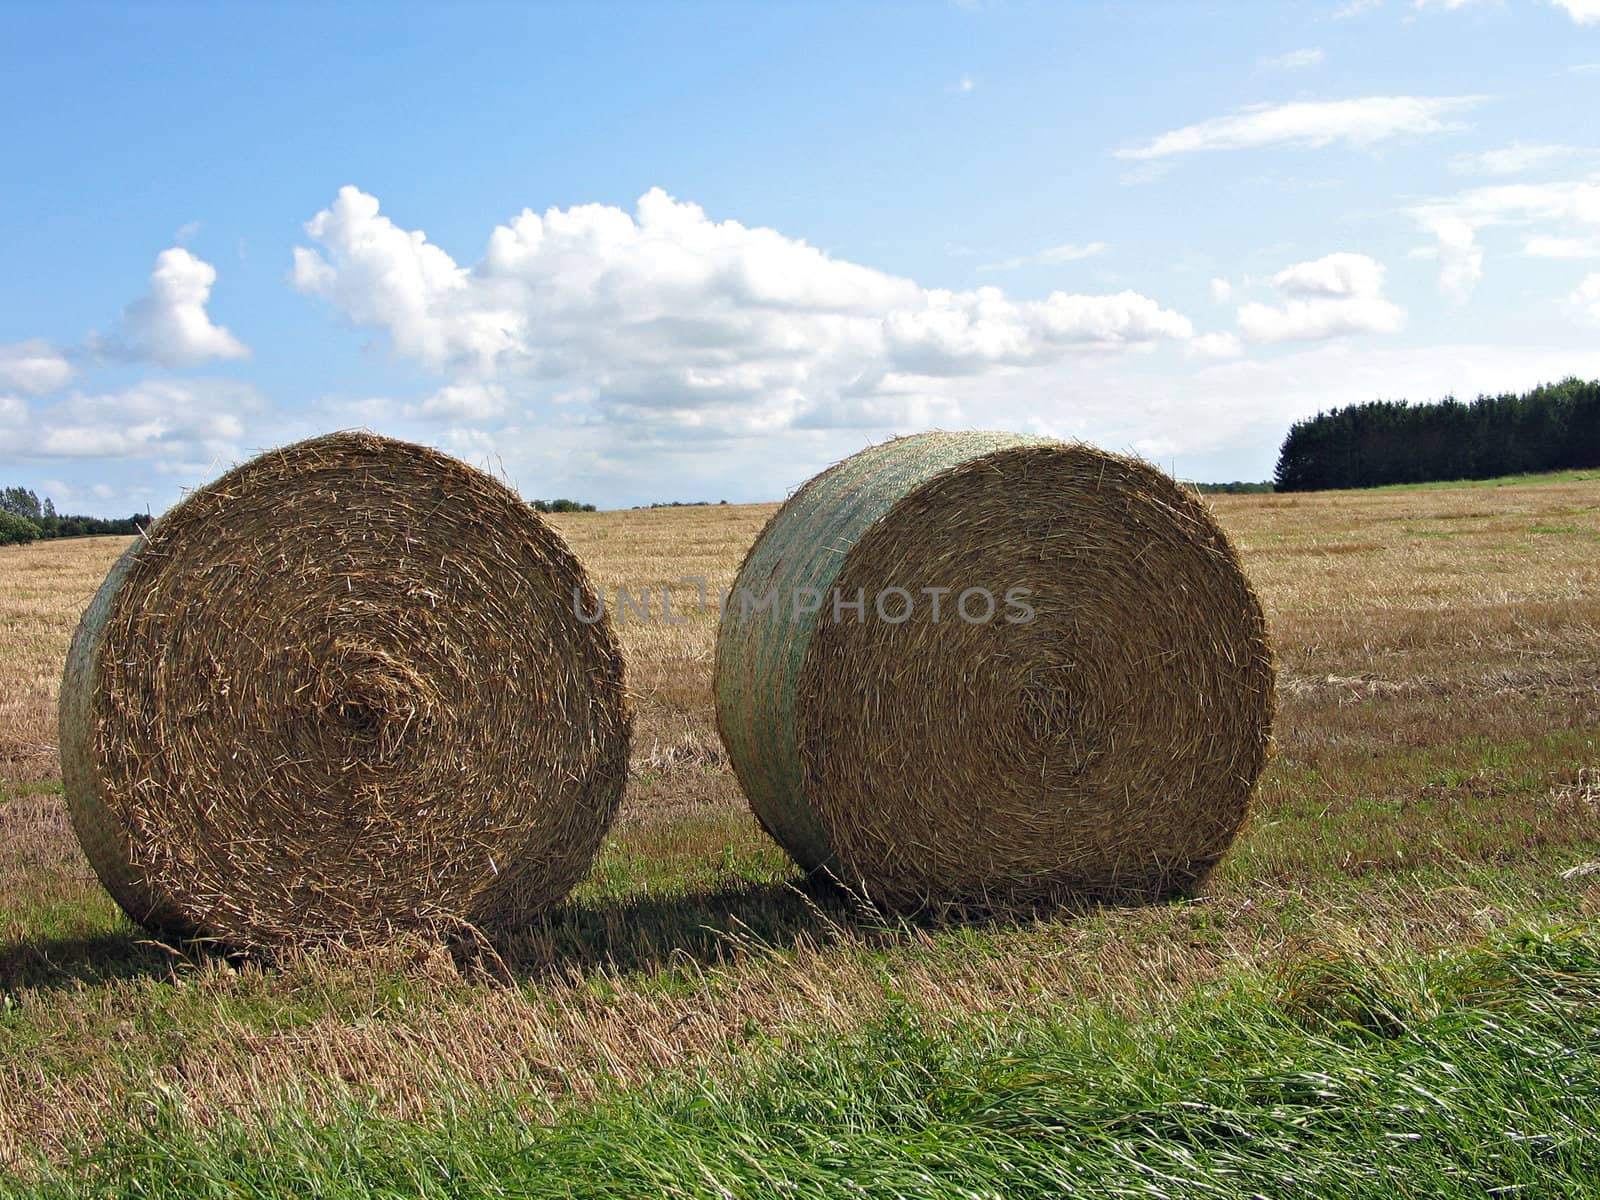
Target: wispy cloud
(1355,8)
(964,86)
(1049,257)
(1363,122)
(1455,221)
(1295,60)
(1561,247)
(1517,159)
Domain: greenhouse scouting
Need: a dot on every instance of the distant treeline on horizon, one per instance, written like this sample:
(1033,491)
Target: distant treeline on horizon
(26,518)
(1554,427)
(562,505)
(1237,488)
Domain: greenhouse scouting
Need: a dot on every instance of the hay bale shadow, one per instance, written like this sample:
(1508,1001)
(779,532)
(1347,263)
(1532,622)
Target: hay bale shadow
(714,926)
(56,964)
(709,927)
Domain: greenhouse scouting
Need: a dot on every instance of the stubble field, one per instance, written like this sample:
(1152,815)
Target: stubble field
(1436,788)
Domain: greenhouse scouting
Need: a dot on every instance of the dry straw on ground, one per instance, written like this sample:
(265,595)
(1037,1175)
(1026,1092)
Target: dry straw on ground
(1108,746)
(343,690)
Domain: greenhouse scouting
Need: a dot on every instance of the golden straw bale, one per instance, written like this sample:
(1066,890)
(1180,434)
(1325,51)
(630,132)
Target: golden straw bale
(341,691)
(1098,732)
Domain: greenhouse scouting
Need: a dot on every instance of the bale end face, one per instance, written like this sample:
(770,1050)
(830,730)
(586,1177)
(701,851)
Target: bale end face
(340,692)
(1061,682)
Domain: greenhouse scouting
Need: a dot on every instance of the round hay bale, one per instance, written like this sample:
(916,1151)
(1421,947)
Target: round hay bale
(343,691)
(941,747)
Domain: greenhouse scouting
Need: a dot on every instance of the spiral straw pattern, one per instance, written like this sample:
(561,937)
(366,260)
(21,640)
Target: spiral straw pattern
(1100,732)
(343,691)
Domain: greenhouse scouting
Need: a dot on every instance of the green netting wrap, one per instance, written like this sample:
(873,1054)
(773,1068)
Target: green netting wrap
(986,668)
(343,690)
(760,654)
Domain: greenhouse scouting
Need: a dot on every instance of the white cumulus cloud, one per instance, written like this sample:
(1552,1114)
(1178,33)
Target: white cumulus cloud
(1335,275)
(169,324)
(378,274)
(1584,12)
(1335,296)
(34,367)
(1459,255)
(1585,299)
(1216,345)
(170,421)
(668,319)
(467,401)
(14,414)
(1363,122)
(960,332)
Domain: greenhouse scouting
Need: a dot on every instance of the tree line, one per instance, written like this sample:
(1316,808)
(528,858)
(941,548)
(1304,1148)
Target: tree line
(1239,487)
(26,518)
(1554,427)
(562,505)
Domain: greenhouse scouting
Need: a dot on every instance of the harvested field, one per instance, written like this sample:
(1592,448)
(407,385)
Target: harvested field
(1437,780)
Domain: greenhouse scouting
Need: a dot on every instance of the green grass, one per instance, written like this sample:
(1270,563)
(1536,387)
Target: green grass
(674,856)
(10,790)
(1561,529)
(1467,1075)
(1498,481)
(1477,800)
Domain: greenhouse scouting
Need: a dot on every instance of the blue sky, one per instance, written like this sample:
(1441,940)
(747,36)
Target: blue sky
(698,251)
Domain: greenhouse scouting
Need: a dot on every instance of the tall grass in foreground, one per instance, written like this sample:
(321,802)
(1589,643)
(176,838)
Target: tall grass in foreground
(1467,1076)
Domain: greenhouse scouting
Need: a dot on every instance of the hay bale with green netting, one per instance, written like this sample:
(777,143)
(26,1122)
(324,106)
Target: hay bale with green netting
(1090,719)
(343,691)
